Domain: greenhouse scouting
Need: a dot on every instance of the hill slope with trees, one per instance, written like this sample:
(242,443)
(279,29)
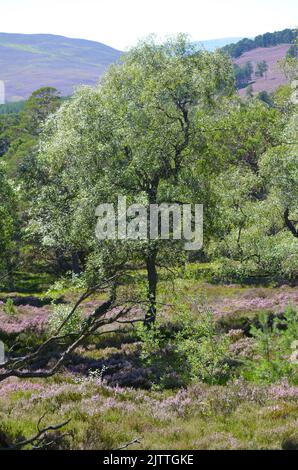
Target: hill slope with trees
(286,36)
(274,76)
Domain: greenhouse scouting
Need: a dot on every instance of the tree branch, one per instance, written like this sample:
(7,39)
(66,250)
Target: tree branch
(289,223)
(23,367)
(39,440)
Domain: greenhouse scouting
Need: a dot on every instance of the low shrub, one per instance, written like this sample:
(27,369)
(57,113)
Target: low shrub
(9,307)
(195,351)
(274,347)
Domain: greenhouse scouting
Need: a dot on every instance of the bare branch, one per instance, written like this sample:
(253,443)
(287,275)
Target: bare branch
(39,440)
(105,314)
(125,446)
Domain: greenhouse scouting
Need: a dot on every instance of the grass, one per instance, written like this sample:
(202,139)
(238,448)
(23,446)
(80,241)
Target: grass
(29,283)
(103,418)
(239,415)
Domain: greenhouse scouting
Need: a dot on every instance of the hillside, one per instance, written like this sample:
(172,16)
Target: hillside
(28,62)
(286,36)
(274,76)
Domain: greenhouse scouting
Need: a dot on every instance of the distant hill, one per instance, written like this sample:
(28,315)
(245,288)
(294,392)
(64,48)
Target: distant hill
(29,61)
(286,36)
(212,44)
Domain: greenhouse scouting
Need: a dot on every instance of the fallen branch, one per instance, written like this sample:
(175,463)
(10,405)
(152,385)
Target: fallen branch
(39,441)
(23,367)
(125,446)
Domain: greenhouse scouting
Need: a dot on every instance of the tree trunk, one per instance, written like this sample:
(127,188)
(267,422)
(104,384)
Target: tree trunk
(152,285)
(151,263)
(289,224)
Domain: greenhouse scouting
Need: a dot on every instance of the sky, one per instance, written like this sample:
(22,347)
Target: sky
(121,23)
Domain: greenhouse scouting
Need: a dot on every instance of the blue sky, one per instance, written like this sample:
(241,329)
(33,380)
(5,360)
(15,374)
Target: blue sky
(120,23)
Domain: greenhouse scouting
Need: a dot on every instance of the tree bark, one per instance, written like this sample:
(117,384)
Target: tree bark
(151,262)
(152,285)
(290,224)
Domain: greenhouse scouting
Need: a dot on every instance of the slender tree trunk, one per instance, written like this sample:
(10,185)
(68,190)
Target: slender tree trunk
(289,224)
(151,262)
(152,285)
